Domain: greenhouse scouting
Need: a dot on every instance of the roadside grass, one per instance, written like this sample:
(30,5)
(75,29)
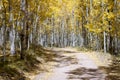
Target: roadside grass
(16,69)
(84,49)
(114,70)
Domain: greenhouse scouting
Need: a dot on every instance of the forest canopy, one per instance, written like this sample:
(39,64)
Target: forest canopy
(94,24)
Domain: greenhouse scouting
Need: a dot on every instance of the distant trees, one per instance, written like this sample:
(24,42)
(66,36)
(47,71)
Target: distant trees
(105,15)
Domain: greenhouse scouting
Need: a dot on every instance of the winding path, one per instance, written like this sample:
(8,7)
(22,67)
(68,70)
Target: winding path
(74,65)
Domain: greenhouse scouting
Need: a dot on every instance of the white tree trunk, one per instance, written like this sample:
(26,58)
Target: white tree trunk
(12,41)
(105,42)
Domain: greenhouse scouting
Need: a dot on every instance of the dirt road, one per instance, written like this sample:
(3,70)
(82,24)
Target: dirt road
(75,65)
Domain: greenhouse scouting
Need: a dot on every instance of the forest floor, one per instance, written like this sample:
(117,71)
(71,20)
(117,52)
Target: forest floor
(73,64)
(15,68)
(61,64)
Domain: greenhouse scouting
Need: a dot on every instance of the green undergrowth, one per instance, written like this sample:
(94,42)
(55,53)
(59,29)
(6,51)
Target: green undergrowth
(14,68)
(83,49)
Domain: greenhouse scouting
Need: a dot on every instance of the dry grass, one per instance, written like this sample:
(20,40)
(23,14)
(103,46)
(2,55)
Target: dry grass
(15,69)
